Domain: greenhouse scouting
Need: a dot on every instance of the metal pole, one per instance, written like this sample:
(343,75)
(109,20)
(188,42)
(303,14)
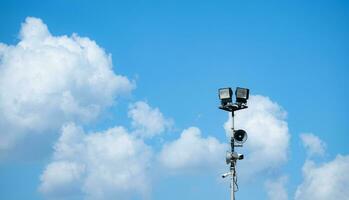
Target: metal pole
(232,164)
(232,181)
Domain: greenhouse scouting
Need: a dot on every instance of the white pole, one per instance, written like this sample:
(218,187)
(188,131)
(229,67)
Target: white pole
(232,164)
(232,185)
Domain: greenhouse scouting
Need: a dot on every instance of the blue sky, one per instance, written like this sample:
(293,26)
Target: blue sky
(177,54)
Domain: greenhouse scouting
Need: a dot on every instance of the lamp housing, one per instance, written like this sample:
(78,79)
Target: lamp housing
(242,95)
(225,95)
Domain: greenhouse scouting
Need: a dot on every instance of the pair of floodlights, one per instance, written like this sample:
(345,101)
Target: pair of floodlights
(226,96)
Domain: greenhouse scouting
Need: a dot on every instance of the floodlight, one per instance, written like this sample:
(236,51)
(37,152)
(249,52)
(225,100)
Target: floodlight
(225,95)
(240,136)
(242,94)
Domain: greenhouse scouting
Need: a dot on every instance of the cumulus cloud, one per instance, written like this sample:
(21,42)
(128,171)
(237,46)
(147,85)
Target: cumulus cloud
(328,181)
(62,178)
(47,80)
(313,144)
(192,151)
(268,135)
(276,189)
(147,121)
(102,165)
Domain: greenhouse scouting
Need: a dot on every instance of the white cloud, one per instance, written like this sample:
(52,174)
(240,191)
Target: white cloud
(62,178)
(329,181)
(313,144)
(110,164)
(46,80)
(147,121)
(192,151)
(268,135)
(276,189)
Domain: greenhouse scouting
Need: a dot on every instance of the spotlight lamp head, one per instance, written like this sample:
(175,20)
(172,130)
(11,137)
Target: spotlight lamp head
(225,95)
(242,95)
(240,136)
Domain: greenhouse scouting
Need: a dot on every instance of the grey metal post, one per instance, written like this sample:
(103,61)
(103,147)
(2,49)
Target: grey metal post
(232,164)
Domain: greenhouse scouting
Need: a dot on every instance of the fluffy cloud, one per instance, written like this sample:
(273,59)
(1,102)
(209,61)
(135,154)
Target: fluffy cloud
(268,135)
(62,179)
(46,80)
(147,121)
(313,144)
(110,164)
(192,151)
(276,189)
(329,181)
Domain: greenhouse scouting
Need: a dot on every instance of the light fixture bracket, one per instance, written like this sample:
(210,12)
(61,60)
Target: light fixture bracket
(232,107)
